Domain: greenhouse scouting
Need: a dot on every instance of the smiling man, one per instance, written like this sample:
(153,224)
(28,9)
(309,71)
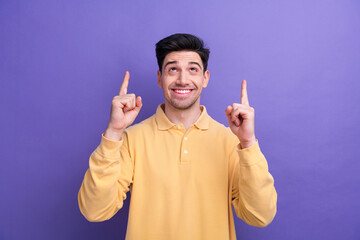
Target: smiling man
(184,169)
(182,79)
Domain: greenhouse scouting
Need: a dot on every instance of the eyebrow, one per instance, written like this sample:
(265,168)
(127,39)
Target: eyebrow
(175,62)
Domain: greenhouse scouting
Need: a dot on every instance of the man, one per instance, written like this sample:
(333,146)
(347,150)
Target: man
(184,169)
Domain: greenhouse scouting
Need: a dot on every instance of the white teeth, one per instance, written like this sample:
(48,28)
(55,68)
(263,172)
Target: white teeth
(181,91)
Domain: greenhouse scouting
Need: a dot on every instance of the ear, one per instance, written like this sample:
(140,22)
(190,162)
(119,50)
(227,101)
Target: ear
(159,78)
(206,78)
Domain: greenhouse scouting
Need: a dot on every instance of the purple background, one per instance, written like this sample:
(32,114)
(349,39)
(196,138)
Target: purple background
(61,62)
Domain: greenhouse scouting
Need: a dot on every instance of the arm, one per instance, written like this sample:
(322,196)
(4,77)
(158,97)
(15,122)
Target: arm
(253,193)
(110,172)
(107,180)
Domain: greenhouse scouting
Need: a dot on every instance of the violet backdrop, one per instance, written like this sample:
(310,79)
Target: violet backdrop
(61,63)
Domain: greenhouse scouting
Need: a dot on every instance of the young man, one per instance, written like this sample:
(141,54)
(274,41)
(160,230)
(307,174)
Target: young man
(184,169)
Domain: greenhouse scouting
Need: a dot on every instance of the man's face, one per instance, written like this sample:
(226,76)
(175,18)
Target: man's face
(182,79)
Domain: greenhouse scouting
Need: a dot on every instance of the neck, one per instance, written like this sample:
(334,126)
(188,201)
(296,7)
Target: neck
(185,116)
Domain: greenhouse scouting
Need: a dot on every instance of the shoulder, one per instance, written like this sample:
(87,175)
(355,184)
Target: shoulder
(142,127)
(221,131)
(137,134)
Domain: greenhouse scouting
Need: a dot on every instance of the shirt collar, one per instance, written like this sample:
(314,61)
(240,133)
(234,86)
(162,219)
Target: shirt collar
(164,123)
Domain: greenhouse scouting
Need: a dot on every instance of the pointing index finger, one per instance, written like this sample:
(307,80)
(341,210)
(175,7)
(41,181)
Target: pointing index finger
(125,83)
(244,96)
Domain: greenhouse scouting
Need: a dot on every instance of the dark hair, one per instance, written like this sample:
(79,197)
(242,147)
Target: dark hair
(180,42)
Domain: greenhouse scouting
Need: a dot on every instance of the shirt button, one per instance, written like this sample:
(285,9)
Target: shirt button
(179,127)
(185,138)
(186,151)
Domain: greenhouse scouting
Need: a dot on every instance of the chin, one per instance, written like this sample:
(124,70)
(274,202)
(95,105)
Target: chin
(182,106)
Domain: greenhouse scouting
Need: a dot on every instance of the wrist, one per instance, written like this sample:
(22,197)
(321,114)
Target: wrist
(114,135)
(248,143)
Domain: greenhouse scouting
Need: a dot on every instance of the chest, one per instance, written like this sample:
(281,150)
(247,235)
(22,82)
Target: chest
(181,160)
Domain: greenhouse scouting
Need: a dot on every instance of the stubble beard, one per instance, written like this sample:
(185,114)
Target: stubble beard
(182,106)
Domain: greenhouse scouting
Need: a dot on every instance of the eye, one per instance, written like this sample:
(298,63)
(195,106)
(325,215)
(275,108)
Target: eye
(172,69)
(193,69)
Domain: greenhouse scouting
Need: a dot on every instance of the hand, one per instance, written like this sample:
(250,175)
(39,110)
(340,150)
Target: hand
(124,109)
(241,119)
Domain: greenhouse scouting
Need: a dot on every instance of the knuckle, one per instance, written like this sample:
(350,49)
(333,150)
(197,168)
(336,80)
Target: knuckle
(115,100)
(116,104)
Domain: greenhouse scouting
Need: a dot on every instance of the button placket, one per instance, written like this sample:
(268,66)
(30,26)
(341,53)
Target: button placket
(185,151)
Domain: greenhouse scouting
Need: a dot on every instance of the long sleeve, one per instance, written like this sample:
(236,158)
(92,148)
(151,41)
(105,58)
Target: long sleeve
(107,180)
(253,193)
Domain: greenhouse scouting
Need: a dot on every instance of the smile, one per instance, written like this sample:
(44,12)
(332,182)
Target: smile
(182,91)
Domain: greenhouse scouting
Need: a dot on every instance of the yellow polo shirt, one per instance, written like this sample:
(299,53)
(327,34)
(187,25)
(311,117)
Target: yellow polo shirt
(183,183)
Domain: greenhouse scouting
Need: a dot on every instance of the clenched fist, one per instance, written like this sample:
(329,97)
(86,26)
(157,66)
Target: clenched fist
(124,109)
(241,118)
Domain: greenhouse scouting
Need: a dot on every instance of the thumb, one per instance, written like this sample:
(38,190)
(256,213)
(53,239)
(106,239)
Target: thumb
(228,113)
(138,104)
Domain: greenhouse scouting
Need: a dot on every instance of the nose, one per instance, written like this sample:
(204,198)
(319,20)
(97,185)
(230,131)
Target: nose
(181,80)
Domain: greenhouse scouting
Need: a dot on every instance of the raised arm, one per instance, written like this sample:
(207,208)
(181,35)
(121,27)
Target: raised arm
(253,193)
(110,172)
